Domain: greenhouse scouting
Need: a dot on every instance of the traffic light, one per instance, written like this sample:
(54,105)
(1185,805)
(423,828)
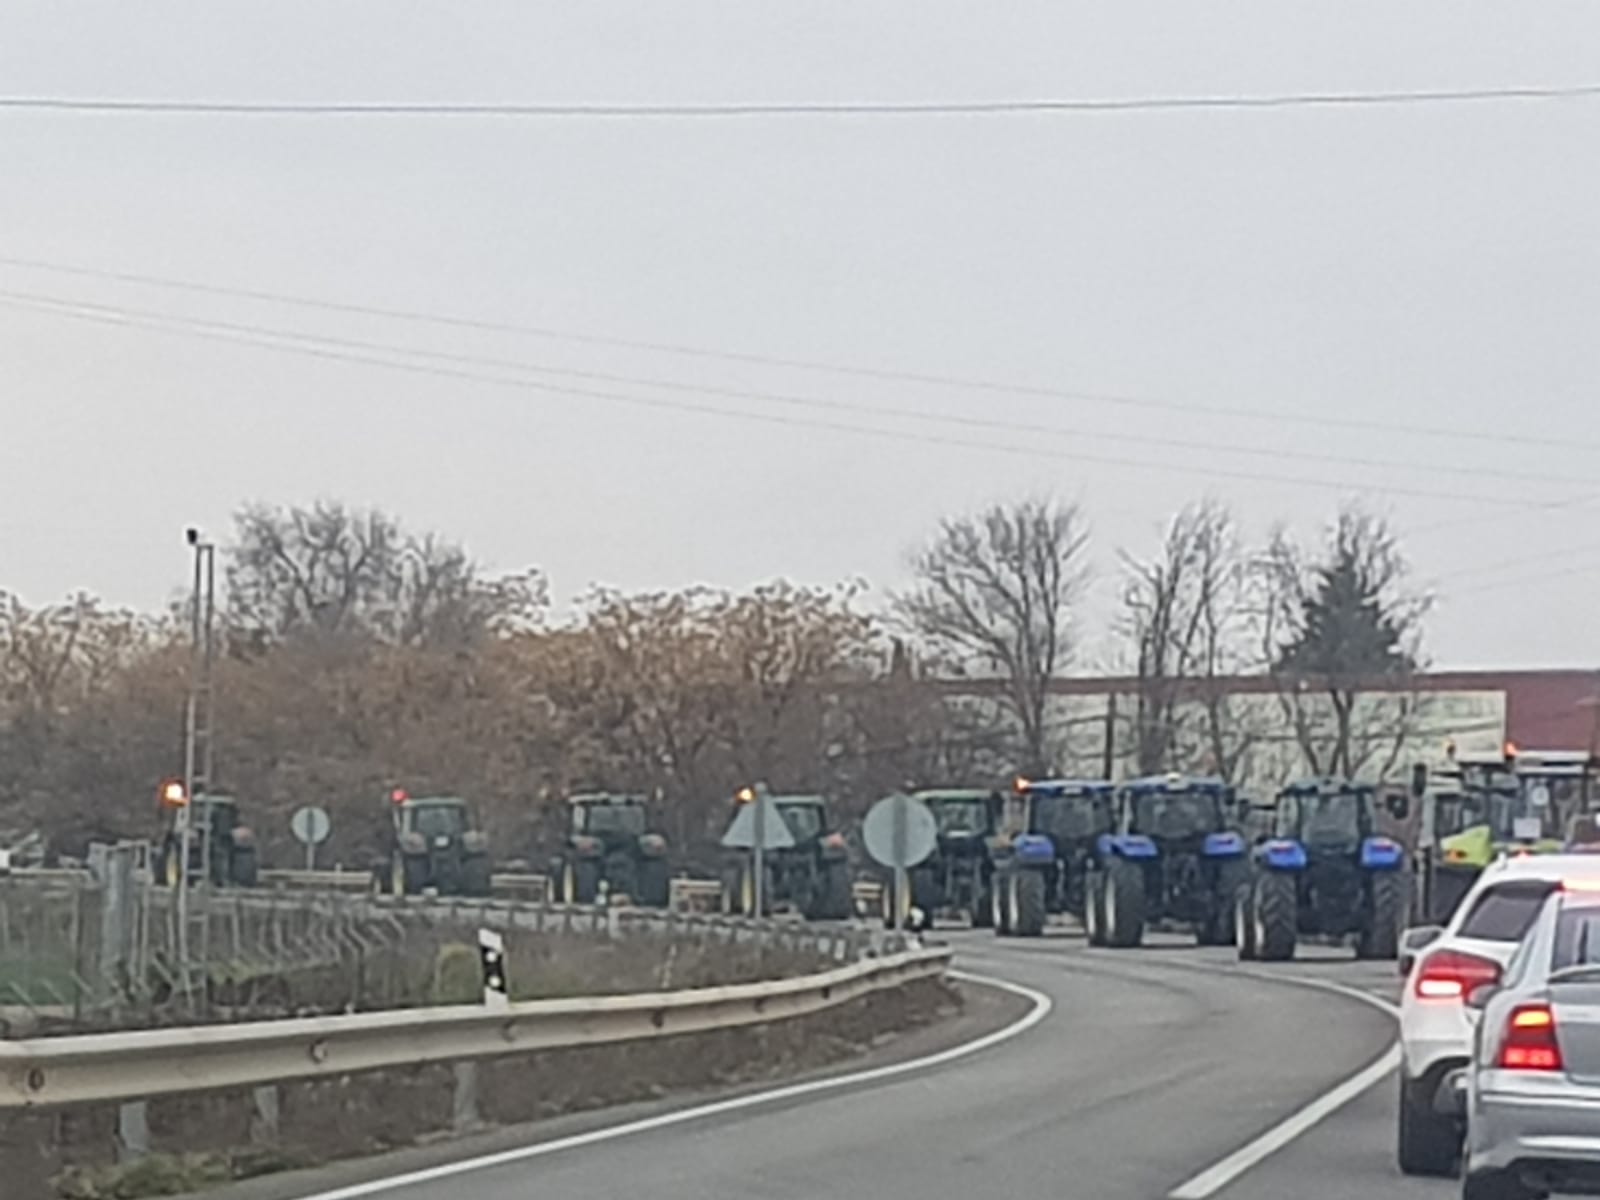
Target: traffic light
(173,794)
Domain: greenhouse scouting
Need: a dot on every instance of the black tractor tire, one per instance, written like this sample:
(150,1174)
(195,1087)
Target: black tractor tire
(1000,904)
(1217,930)
(1124,904)
(475,875)
(1028,901)
(1450,887)
(580,881)
(1390,901)
(835,897)
(1277,903)
(1094,908)
(244,867)
(1427,1143)
(654,881)
(983,906)
(1244,922)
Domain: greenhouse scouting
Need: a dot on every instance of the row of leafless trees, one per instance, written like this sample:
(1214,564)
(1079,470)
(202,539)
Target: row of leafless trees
(361,657)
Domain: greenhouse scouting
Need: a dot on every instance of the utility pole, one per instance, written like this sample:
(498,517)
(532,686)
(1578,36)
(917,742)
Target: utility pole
(198,757)
(1109,753)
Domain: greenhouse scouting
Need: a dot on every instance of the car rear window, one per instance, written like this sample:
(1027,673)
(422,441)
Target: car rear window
(1503,913)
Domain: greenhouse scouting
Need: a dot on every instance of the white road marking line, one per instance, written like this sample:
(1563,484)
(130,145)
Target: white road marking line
(1218,1176)
(1042,1005)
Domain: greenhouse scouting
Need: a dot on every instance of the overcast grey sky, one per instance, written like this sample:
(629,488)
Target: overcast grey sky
(1426,266)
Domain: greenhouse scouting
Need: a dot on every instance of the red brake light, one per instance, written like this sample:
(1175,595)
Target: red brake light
(1450,975)
(1530,1042)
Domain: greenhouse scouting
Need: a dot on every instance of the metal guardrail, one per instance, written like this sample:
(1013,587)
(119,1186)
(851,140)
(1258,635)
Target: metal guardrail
(142,1063)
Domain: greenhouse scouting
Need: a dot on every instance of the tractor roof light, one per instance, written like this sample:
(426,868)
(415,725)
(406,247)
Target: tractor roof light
(398,796)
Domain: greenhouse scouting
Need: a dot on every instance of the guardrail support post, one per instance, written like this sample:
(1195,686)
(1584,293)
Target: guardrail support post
(133,1131)
(464,1111)
(264,1115)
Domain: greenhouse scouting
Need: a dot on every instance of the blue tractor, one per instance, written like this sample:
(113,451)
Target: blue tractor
(1171,857)
(1326,872)
(1040,860)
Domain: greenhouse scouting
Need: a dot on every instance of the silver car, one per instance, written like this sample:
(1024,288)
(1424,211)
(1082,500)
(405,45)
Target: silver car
(1532,1092)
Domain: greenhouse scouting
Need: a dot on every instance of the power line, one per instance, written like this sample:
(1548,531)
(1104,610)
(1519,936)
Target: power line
(809,108)
(882,374)
(300,345)
(815,403)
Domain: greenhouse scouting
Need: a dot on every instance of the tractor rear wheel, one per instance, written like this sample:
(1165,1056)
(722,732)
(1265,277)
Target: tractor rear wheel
(1094,908)
(1028,903)
(1000,904)
(475,875)
(1244,923)
(983,904)
(1217,930)
(653,880)
(1381,937)
(835,898)
(1276,903)
(1124,904)
(244,868)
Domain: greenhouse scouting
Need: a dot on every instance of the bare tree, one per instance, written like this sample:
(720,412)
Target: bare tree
(332,570)
(1344,634)
(995,592)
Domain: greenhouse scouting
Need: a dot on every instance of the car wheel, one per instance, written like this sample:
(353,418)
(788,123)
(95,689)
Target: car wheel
(1428,1143)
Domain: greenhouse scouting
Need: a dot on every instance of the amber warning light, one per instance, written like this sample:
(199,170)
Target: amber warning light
(173,794)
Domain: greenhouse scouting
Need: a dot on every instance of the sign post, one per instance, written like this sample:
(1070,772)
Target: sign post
(757,827)
(900,832)
(310,826)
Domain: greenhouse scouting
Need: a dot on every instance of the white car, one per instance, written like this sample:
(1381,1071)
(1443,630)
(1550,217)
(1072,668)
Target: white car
(1445,964)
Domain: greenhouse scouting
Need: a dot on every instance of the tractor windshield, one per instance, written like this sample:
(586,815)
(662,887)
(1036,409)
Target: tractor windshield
(1070,817)
(1177,814)
(1335,818)
(438,820)
(609,818)
(957,817)
(804,820)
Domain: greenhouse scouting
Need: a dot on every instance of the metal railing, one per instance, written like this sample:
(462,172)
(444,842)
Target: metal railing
(153,1062)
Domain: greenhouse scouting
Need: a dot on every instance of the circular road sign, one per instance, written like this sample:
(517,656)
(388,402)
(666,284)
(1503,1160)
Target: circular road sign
(310,825)
(918,832)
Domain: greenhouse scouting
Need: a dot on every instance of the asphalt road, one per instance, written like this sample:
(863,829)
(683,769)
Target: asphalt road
(1150,1068)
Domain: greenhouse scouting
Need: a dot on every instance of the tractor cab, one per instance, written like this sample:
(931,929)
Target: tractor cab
(613,819)
(805,816)
(1175,810)
(1329,817)
(1064,810)
(1518,800)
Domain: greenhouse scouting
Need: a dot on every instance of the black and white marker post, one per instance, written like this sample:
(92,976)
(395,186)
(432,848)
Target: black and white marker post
(492,954)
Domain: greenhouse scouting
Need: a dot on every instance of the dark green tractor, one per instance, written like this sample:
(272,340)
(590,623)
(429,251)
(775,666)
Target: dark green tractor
(610,852)
(435,846)
(955,878)
(221,846)
(812,876)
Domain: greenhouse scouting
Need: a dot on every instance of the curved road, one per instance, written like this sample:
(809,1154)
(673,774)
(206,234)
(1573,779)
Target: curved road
(1151,1068)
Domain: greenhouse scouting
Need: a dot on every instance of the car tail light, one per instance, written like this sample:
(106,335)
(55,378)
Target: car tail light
(1451,974)
(1530,1042)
